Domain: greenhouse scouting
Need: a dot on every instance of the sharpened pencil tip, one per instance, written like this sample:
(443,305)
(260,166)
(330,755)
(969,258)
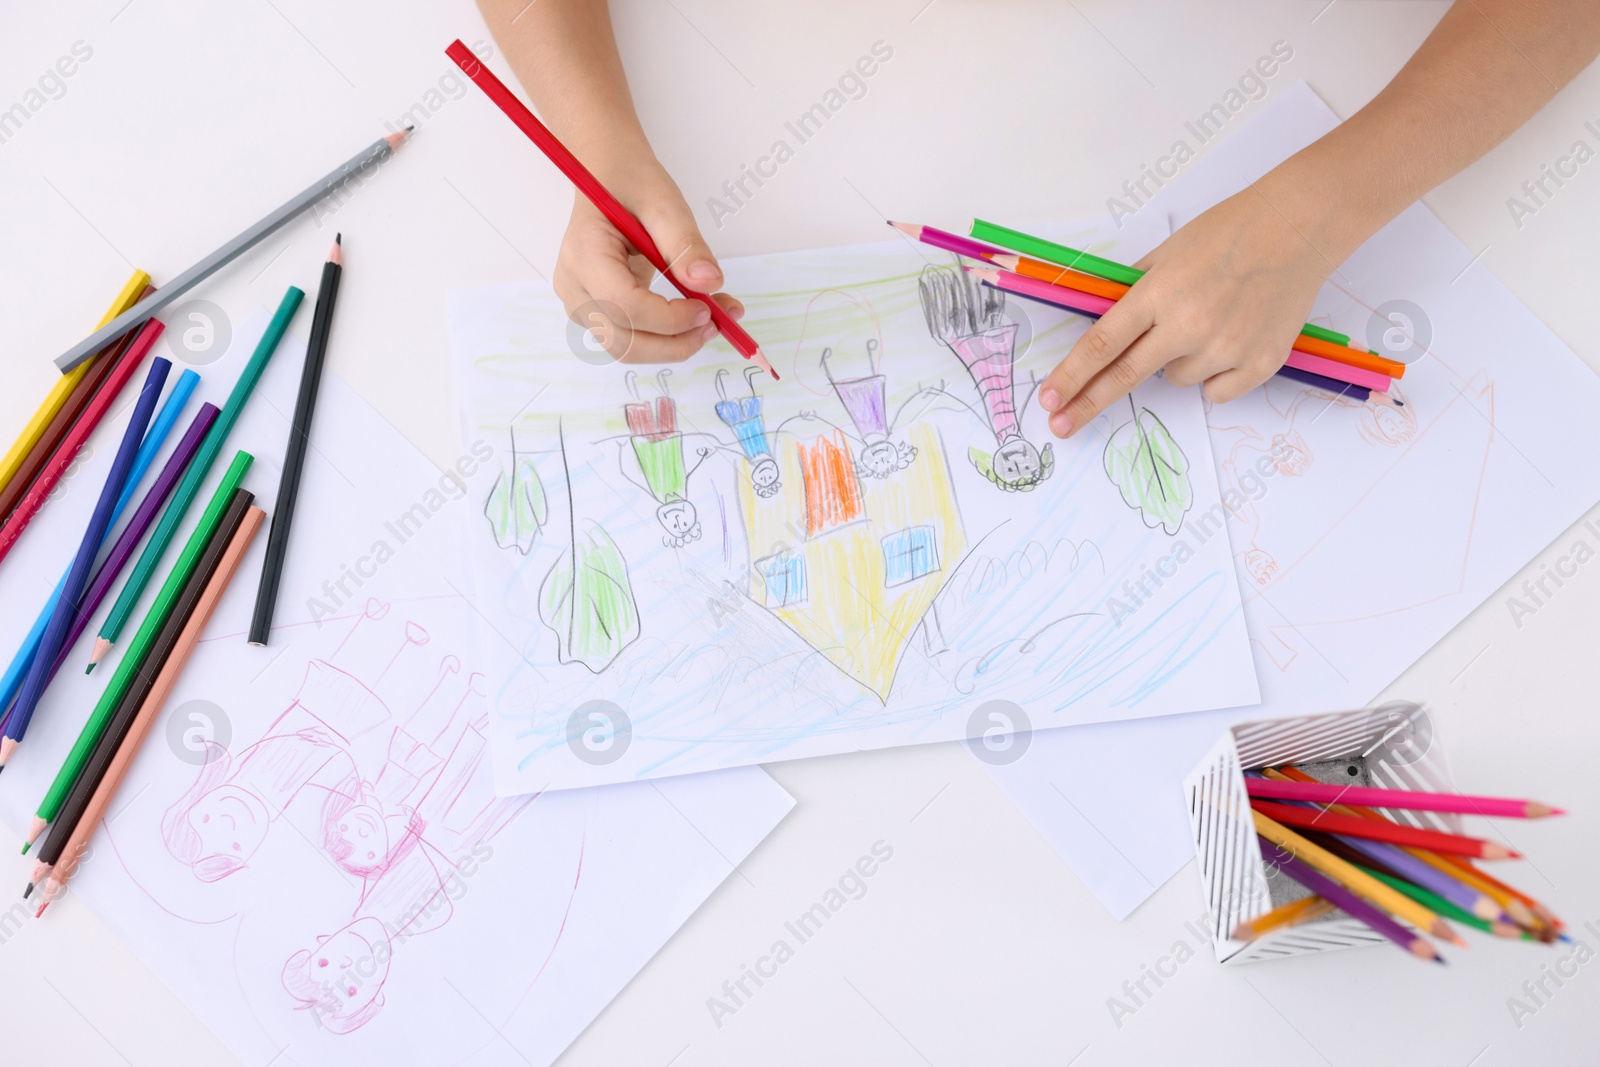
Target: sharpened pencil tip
(336,253)
(759,358)
(28,891)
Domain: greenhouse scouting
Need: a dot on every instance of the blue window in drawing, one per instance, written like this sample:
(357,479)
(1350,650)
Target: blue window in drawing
(908,555)
(785,579)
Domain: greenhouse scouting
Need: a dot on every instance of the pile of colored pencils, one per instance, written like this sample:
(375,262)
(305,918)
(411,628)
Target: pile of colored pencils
(94,373)
(1330,839)
(1089,285)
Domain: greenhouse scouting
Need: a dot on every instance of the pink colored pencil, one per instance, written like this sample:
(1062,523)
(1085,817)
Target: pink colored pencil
(1409,800)
(1034,288)
(950,242)
(46,482)
(1342,371)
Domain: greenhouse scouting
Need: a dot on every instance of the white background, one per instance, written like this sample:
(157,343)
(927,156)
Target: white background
(974,944)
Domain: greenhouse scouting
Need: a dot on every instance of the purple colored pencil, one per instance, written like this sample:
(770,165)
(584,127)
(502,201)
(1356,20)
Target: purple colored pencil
(1322,381)
(131,535)
(950,242)
(1347,902)
(139,525)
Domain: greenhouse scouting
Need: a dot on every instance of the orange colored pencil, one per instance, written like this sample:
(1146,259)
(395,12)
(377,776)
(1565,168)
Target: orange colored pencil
(1350,357)
(162,688)
(1291,914)
(1057,275)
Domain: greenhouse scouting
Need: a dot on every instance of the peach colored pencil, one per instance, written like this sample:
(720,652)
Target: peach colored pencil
(160,690)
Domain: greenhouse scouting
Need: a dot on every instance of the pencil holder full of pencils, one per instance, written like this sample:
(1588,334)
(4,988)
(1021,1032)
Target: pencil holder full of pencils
(1393,746)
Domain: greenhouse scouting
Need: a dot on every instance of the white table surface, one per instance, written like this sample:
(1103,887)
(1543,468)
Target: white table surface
(975,944)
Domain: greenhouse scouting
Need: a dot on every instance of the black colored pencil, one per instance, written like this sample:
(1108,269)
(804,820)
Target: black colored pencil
(133,699)
(294,456)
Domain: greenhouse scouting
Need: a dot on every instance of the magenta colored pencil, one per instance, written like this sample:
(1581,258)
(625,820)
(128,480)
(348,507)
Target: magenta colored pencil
(950,242)
(1347,902)
(1366,796)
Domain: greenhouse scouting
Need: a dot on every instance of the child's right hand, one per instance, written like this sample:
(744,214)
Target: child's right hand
(604,283)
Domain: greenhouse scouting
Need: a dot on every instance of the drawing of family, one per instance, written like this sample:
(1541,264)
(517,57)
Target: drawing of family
(382,749)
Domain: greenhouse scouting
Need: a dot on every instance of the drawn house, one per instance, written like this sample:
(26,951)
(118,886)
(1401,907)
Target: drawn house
(853,566)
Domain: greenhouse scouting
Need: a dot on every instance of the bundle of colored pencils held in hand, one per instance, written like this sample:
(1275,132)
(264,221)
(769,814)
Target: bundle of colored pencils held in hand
(1330,839)
(1088,285)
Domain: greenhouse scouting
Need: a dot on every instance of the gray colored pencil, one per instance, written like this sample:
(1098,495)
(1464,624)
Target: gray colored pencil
(375,153)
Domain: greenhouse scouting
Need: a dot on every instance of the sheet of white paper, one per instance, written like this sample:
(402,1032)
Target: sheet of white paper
(867,553)
(1374,534)
(339,883)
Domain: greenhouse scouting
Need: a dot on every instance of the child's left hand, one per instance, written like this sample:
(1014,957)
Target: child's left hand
(1222,303)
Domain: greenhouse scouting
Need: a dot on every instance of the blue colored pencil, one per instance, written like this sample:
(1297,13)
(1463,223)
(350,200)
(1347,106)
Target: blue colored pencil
(78,576)
(154,438)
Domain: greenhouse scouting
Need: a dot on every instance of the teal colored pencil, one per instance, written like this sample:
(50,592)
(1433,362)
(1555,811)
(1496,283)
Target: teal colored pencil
(184,495)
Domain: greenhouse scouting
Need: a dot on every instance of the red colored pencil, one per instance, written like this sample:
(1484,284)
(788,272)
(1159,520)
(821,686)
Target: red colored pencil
(598,195)
(1394,833)
(96,410)
(1408,800)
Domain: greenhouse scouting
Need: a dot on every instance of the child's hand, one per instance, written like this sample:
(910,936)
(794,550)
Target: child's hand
(605,285)
(1222,303)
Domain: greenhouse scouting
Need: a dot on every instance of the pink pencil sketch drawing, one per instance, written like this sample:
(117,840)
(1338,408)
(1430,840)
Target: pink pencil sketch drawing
(385,744)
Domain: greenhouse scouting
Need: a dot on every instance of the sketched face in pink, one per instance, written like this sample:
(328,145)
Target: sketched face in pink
(230,822)
(340,978)
(360,839)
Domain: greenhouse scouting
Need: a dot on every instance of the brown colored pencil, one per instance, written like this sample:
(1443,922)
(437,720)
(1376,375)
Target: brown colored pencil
(151,707)
(62,423)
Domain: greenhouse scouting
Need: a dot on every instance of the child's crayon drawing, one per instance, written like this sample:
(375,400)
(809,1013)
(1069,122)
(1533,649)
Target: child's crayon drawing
(858,555)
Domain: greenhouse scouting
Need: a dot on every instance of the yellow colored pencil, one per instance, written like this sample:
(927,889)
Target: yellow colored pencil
(29,438)
(1356,880)
(1296,911)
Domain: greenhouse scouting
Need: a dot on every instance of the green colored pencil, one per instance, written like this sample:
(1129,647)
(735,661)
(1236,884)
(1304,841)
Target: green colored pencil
(50,806)
(199,467)
(1089,263)
(1447,909)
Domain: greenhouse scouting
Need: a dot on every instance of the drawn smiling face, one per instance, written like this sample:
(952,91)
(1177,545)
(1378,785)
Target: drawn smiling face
(359,840)
(230,822)
(1018,461)
(341,978)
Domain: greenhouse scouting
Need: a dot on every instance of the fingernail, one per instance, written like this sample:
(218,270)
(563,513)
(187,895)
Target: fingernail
(1060,424)
(737,312)
(703,270)
(702,315)
(1049,398)
(708,333)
